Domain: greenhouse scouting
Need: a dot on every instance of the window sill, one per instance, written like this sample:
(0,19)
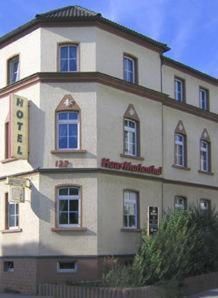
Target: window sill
(181,167)
(76,229)
(68,151)
(10,231)
(136,230)
(8,160)
(206,173)
(132,157)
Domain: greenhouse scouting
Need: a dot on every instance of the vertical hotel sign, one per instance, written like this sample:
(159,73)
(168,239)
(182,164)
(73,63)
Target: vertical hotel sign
(19,127)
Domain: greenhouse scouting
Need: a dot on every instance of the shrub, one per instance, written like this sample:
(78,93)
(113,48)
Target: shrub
(116,274)
(186,244)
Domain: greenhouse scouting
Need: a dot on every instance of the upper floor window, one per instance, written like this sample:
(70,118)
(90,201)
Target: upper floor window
(130,137)
(68,58)
(131,132)
(205,206)
(205,152)
(13,70)
(7,139)
(204,99)
(68,124)
(68,130)
(68,206)
(179,150)
(180,146)
(179,86)
(180,202)
(131,218)
(130,69)
(204,156)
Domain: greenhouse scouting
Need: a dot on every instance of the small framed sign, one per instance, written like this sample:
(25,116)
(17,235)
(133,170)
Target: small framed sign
(153,220)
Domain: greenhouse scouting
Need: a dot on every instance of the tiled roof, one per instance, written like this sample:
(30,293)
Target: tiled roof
(68,12)
(72,14)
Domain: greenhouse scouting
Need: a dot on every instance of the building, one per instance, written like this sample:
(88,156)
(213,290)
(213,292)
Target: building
(100,134)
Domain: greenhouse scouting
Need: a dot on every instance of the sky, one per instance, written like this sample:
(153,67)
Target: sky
(188,27)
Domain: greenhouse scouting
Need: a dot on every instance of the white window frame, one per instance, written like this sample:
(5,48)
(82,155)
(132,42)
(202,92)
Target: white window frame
(179,95)
(13,76)
(178,144)
(130,198)
(202,205)
(182,205)
(128,71)
(68,198)
(203,99)
(204,156)
(68,46)
(128,146)
(15,216)
(68,122)
(73,270)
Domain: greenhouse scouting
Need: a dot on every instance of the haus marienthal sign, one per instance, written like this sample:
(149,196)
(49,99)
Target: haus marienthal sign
(19,127)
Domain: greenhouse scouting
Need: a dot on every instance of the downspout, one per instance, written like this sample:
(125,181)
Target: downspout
(162,132)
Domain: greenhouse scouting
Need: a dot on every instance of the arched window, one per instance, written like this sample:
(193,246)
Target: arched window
(205,152)
(180,146)
(131,131)
(67,125)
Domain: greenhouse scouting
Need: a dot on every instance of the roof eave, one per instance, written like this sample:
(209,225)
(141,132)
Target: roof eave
(43,21)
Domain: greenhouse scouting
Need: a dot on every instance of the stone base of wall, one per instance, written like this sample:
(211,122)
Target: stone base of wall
(31,271)
(24,277)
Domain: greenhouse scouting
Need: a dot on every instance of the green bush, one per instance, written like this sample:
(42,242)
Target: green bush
(185,245)
(116,274)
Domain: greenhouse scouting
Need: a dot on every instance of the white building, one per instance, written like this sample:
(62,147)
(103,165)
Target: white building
(96,125)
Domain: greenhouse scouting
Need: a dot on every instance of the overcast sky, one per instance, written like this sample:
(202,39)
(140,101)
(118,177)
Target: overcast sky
(189,27)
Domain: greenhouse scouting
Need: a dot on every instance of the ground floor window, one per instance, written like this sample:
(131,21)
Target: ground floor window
(205,206)
(68,206)
(131,218)
(180,202)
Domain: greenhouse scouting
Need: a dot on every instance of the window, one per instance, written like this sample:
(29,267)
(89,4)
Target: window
(180,203)
(68,58)
(7,140)
(66,267)
(205,156)
(68,130)
(204,99)
(8,266)
(69,207)
(13,70)
(13,215)
(205,206)
(130,137)
(180,150)
(179,89)
(131,219)
(130,69)
(205,152)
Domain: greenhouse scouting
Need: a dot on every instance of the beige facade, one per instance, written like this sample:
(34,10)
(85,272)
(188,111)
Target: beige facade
(37,240)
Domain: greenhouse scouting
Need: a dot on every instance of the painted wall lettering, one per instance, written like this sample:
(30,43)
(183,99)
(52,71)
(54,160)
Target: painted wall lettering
(128,166)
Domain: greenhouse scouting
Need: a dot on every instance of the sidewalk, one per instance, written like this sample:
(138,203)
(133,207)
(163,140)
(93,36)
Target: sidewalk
(208,294)
(20,296)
